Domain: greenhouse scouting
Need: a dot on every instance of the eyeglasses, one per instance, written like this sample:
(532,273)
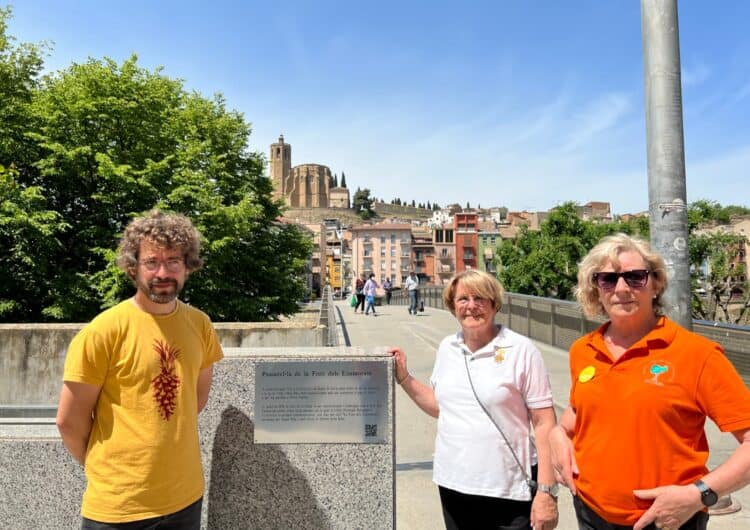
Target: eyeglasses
(172,264)
(608,280)
(478,300)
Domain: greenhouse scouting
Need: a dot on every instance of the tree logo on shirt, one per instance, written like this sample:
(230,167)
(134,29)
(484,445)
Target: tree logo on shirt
(167,383)
(659,373)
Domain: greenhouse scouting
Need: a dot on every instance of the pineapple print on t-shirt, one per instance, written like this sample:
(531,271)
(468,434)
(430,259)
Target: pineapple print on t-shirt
(167,383)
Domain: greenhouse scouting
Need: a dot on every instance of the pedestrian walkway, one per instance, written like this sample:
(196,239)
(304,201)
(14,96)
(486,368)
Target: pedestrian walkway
(417,502)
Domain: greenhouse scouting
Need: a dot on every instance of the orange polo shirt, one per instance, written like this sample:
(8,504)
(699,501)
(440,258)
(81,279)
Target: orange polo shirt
(639,419)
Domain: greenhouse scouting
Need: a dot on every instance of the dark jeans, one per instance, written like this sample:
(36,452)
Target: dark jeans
(360,302)
(462,511)
(413,297)
(186,519)
(588,519)
(388,295)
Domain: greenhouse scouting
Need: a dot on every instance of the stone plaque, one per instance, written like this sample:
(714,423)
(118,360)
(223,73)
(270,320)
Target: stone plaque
(321,402)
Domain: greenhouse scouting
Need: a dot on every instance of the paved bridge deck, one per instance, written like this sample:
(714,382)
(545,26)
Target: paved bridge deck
(417,503)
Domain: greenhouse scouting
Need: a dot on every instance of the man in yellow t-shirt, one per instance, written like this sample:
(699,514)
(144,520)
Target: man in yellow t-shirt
(134,382)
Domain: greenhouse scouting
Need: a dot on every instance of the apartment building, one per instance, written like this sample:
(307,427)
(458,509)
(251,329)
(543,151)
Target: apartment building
(382,249)
(488,241)
(424,255)
(318,259)
(445,254)
(467,245)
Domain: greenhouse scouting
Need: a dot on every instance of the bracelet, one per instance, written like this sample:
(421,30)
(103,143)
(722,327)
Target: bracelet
(404,378)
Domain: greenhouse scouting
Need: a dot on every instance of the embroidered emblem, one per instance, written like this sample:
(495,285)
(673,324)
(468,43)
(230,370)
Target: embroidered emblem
(499,354)
(587,374)
(656,370)
(167,383)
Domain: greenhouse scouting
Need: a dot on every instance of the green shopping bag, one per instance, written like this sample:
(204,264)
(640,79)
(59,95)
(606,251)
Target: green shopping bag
(353,301)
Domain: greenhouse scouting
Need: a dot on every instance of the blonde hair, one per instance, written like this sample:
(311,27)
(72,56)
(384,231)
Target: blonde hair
(477,282)
(607,250)
(167,230)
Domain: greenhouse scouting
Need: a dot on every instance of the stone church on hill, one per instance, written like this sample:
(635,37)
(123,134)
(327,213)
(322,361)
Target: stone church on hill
(306,185)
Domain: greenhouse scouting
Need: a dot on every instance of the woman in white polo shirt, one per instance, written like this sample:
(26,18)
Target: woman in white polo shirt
(488,387)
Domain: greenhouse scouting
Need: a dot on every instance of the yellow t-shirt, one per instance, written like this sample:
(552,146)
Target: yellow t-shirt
(143,457)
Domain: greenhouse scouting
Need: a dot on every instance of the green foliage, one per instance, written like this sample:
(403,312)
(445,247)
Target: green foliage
(704,212)
(28,242)
(99,142)
(545,262)
(362,203)
(718,278)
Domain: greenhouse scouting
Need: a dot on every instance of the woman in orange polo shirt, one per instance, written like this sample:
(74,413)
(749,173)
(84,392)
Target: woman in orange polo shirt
(631,445)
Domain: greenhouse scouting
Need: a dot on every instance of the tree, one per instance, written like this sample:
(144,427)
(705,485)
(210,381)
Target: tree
(545,262)
(343,180)
(110,141)
(20,69)
(720,289)
(362,203)
(413,204)
(468,206)
(28,245)
(335,181)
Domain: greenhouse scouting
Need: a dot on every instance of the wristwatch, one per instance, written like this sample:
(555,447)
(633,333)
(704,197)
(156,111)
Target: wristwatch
(708,496)
(550,490)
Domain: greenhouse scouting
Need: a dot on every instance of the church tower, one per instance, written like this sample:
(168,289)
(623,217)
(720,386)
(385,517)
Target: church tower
(280,167)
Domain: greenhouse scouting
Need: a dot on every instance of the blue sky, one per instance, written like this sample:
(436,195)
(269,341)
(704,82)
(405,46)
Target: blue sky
(524,104)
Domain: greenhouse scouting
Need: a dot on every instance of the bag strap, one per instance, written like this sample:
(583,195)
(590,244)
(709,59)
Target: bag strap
(531,483)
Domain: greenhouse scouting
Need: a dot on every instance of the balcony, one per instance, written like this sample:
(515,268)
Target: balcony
(469,256)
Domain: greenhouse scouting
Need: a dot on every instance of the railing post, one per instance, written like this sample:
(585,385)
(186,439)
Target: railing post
(510,309)
(528,317)
(552,330)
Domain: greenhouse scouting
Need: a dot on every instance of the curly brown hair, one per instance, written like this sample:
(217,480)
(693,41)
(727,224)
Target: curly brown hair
(167,230)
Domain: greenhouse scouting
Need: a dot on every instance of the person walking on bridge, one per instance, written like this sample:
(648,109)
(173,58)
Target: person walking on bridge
(631,446)
(135,379)
(370,290)
(488,387)
(412,288)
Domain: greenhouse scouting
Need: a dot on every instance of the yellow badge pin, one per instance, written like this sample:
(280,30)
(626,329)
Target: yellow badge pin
(499,355)
(587,374)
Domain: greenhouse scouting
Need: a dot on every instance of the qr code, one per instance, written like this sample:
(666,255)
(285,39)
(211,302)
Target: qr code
(371,429)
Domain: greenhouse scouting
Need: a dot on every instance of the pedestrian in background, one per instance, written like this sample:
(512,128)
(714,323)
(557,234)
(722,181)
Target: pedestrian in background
(412,288)
(631,446)
(370,290)
(388,288)
(359,292)
(488,387)
(135,379)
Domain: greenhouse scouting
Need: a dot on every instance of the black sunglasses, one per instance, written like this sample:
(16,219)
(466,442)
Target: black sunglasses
(608,280)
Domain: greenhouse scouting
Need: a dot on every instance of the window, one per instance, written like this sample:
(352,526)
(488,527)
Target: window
(393,252)
(449,236)
(382,239)
(393,239)
(444,252)
(438,236)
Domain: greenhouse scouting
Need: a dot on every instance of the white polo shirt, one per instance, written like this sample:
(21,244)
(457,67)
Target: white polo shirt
(510,378)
